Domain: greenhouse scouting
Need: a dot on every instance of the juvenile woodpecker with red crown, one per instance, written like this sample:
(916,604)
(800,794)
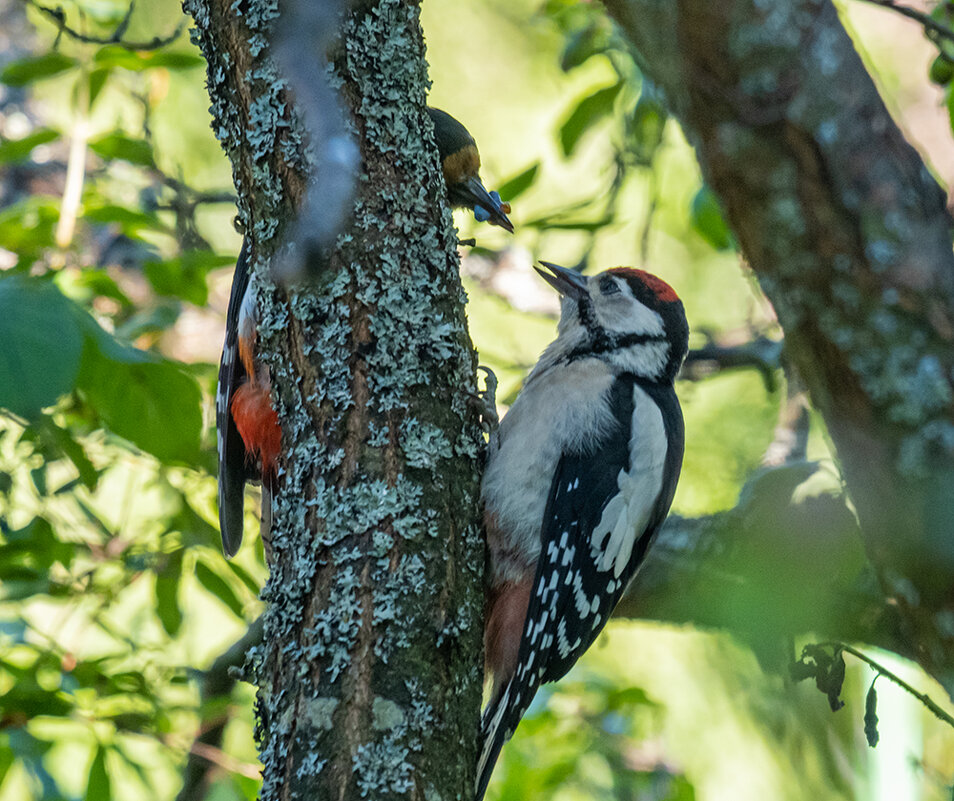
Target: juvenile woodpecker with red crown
(248,432)
(580,476)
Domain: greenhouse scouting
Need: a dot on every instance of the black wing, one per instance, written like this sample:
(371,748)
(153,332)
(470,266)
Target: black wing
(233,471)
(555,633)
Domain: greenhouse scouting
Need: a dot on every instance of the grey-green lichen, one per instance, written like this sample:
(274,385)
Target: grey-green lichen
(377,558)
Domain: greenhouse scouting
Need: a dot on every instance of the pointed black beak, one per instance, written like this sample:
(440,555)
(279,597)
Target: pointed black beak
(471,193)
(567,282)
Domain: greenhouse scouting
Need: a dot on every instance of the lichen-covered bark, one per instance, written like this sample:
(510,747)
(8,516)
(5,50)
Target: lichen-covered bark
(369,673)
(850,239)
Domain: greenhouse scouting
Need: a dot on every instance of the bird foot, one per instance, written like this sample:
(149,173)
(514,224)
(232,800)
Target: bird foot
(487,401)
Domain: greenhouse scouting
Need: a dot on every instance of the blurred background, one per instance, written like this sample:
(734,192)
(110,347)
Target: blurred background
(117,609)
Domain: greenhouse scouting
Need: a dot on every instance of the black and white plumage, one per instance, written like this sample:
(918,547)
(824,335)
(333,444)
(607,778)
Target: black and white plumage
(581,475)
(234,470)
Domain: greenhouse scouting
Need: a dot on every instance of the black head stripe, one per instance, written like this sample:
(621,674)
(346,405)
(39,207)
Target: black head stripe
(603,341)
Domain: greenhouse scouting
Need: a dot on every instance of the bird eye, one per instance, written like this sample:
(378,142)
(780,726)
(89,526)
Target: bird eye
(608,285)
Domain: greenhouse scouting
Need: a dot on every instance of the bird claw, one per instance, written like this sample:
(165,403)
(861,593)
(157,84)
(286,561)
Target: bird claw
(487,401)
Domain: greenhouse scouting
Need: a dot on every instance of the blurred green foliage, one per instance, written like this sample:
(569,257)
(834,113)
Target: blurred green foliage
(114,596)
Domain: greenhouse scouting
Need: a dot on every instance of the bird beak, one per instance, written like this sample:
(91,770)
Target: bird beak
(473,193)
(569,283)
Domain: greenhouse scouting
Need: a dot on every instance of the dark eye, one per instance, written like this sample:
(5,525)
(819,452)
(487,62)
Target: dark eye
(608,285)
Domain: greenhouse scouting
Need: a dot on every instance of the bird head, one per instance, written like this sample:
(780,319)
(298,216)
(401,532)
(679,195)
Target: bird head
(460,163)
(631,319)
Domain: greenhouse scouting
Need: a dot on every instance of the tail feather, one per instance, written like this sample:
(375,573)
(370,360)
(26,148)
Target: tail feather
(233,470)
(493,735)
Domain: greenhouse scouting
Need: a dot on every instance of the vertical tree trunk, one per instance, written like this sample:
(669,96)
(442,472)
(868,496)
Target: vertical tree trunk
(849,236)
(369,676)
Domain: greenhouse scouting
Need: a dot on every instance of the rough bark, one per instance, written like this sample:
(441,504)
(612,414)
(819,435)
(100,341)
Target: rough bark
(370,667)
(849,236)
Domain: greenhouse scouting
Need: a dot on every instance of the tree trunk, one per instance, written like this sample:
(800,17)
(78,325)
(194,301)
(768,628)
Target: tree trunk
(370,671)
(850,239)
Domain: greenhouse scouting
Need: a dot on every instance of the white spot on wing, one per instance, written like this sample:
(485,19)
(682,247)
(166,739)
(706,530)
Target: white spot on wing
(626,516)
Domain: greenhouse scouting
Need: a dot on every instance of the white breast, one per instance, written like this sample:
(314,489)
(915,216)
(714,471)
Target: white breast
(625,518)
(557,410)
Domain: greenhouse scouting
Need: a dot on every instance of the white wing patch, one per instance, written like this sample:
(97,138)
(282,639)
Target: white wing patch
(625,517)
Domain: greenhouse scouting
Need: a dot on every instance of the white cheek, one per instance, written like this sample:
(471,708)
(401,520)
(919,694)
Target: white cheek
(627,315)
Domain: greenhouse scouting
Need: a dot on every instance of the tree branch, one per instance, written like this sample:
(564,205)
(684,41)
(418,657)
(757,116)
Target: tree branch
(851,241)
(934,29)
(58,17)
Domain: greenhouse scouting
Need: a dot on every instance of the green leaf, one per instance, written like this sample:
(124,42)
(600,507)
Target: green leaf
(215,584)
(647,124)
(96,83)
(185,276)
(589,111)
(73,451)
(42,345)
(167,591)
(519,184)
(27,227)
(152,403)
(130,220)
(98,786)
(705,214)
(27,70)
(120,146)
(116,56)
(245,577)
(14,150)
(585,43)
(871,716)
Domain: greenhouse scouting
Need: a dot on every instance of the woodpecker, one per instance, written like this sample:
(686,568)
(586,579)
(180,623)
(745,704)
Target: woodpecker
(460,163)
(248,432)
(579,478)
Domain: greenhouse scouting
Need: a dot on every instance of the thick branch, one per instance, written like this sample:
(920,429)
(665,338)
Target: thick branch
(785,562)
(849,236)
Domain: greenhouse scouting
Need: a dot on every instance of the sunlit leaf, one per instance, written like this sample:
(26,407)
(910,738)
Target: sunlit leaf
(587,113)
(120,146)
(26,70)
(167,593)
(27,227)
(97,785)
(707,220)
(14,150)
(116,56)
(216,585)
(594,39)
(519,184)
(152,403)
(647,124)
(130,220)
(42,345)
(185,276)
(73,451)
(96,82)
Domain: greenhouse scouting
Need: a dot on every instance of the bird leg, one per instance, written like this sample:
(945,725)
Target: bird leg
(486,400)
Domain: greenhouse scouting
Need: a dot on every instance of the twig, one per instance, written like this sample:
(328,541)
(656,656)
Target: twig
(58,17)
(762,353)
(930,25)
(218,757)
(217,682)
(790,439)
(939,713)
